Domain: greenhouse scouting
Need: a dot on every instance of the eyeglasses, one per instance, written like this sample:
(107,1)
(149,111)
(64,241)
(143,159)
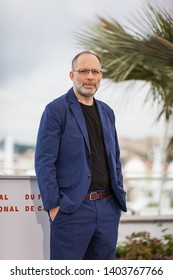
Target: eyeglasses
(85,72)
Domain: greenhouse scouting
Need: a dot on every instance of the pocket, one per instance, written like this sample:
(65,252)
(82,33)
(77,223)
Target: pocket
(61,218)
(52,221)
(115,205)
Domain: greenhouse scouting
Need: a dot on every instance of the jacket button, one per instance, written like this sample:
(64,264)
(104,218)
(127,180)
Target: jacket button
(89,176)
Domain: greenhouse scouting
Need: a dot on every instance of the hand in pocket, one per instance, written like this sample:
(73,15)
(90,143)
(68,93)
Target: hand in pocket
(53,212)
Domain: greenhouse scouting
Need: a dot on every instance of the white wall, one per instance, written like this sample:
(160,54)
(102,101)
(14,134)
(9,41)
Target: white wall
(24,228)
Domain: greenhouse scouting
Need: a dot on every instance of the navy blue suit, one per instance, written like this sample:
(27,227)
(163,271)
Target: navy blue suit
(63,157)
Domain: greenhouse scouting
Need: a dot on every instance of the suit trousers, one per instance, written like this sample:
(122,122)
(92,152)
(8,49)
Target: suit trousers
(90,233)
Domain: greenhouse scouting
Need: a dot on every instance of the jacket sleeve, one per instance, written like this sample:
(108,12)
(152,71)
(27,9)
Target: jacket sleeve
(46,153)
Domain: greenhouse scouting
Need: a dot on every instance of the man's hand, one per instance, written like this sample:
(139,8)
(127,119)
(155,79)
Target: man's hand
(53,212)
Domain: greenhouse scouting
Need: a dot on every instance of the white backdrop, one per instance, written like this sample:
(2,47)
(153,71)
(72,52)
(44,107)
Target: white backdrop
(24,225)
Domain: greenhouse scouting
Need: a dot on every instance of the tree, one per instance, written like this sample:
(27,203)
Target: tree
(144,53)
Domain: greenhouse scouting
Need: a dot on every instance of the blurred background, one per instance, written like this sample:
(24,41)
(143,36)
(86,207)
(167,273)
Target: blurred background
(37,46)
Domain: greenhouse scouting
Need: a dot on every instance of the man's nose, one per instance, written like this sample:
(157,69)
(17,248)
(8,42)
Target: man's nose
(90,75)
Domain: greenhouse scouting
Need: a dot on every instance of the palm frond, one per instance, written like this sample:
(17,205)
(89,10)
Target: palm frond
(145,53)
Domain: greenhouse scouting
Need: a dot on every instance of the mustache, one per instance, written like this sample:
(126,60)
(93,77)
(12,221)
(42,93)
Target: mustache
(90,84)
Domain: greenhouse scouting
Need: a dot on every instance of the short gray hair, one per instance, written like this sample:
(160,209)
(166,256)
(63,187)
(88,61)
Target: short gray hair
(74,61)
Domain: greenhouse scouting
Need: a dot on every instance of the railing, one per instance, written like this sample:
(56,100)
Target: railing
(148,196)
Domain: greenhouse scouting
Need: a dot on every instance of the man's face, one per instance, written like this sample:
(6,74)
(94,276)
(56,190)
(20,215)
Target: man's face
(86,82)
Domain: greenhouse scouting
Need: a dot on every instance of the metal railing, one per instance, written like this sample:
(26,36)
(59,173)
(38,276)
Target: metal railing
(149,195)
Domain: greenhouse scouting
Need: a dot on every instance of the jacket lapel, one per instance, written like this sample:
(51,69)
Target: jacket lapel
(77,111)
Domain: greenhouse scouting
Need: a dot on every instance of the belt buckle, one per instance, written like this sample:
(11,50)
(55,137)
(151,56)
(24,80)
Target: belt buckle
(90,198)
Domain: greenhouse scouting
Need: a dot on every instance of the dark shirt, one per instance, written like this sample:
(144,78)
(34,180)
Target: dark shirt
(100,174)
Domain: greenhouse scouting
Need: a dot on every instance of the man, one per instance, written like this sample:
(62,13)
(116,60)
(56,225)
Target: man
(78,168)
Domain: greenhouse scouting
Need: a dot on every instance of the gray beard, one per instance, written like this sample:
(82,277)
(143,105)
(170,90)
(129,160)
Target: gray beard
(83,92)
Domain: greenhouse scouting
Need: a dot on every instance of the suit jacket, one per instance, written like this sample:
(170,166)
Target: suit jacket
(63,156)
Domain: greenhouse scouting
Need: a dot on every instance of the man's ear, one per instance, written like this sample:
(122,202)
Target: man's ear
(71,74)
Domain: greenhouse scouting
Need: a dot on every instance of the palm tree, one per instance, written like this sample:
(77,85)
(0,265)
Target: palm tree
(144,53)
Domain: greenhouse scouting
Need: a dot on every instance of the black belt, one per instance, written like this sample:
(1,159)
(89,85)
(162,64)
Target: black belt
(97,195)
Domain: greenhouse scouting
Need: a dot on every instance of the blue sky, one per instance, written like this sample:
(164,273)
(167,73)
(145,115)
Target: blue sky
(37,47)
